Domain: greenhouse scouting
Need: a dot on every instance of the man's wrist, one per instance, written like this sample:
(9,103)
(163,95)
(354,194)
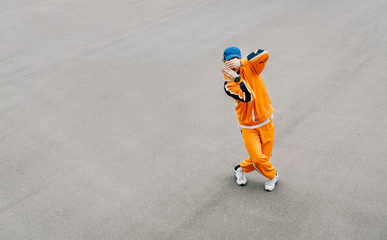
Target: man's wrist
(237,79)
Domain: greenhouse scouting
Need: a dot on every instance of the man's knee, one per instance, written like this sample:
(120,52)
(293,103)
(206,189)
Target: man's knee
(259,158)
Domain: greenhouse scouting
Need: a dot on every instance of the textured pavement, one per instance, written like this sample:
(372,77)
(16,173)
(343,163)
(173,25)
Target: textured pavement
(114,123)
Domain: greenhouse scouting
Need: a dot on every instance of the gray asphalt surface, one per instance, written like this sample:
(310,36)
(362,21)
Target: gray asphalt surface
(114,123)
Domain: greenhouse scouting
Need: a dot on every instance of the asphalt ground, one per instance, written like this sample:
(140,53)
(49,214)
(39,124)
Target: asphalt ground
(114,123)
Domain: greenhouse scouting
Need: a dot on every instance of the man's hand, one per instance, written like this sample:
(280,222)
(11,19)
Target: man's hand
(234,63)
(229,73)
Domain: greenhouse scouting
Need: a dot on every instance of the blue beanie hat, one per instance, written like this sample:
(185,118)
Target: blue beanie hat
(231,52)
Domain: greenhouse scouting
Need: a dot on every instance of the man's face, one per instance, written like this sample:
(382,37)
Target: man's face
(234,69)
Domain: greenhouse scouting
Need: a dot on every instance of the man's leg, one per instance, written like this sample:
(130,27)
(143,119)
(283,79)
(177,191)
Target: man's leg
(267,138)
(259,145)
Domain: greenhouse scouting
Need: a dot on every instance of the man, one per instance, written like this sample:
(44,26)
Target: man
(254,111)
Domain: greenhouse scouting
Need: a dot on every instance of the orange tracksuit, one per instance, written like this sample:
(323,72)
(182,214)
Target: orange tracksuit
(254,112)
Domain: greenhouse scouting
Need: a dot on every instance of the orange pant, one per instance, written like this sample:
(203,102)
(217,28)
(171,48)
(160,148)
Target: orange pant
(259,144)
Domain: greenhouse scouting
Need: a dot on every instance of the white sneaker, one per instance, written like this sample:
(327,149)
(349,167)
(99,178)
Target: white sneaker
(240,176)
(270,185)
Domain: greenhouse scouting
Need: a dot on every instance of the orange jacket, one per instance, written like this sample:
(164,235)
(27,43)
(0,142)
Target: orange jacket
(253,102)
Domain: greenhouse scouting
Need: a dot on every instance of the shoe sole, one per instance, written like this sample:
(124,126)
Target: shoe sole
(242,184)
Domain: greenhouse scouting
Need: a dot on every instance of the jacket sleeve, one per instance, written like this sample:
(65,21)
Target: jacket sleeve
(240,91)
(256,60)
